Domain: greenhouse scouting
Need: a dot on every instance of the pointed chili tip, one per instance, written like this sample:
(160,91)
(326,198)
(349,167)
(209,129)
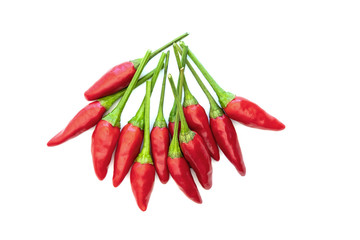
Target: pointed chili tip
(164,181)
(142,207)
(197,200)
(101,175)
(52,142)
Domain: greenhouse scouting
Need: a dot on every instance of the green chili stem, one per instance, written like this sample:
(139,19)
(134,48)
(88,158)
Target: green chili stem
(138,119)
(184,126)
(200,82)
(168,45)
(146,146)
(160,114)
(224,97)
(114,116)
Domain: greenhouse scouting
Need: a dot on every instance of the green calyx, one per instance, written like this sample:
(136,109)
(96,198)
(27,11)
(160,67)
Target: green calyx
(160,122)
(136,62)
(144,158)
(186,137)
(215,112)
(225,98)
(174,149)
(114,116)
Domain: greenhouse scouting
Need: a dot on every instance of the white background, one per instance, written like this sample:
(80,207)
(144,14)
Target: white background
(299,60)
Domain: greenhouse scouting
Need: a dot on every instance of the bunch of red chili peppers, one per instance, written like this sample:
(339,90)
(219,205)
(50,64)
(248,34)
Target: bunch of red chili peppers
(195,138)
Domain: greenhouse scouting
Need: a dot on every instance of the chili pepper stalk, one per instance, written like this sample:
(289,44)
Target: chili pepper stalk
(120,76)
(159,137)
(107,131)
(90,115)
(194,113)
(131,137)
(222,128)
(179,168)
(191,143)
(142,173)
(239,108)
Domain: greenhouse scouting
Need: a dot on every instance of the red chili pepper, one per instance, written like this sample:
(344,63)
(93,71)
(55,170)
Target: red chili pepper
(251,115)
(142,173)
(222,128)
(240,109)
(131,137)
(179,168)
(120,76)
(196,116)
(226,137)
(90,115)
(192,145)
(160,135)
(107,131)
(104,140)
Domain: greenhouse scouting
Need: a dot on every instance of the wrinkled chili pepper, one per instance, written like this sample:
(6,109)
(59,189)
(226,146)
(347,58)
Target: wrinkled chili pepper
(192,145)
(238,108)
(90,115)
(222,129)
(160,135)
(195,114)
(120,76)
(131,137)
(179,168)
(142,173)
(107,131)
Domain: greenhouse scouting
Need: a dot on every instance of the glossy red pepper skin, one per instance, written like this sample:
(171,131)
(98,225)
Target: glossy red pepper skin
(171,127)
(142,177)
(180,172)
(196,153)
(103,143)
(251,115)
(226,137)
(84,120)
(198,121)
(111,82)
(128,148)
(160,141)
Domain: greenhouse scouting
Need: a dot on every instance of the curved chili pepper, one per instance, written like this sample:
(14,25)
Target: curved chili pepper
(128,148)
(222,128)
(114,80)
(90,115)
(240,109)
(84,120)
(198,121)
(142,173)
(131,137)
(179,169)
(107,131)
(120,76)
(251,115)
(159,137)
(196,116)
(226,137)
(180,172)
(192,145)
